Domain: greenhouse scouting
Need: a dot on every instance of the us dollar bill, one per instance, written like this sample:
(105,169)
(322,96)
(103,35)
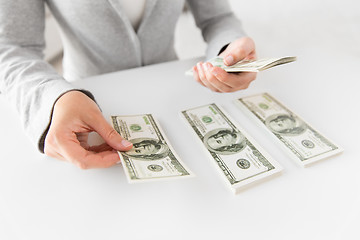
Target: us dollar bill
(152,157)
(303,143)
(238,158)
(248,65)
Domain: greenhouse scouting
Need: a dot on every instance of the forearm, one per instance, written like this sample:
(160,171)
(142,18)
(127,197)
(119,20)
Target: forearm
(31,86)
(29,83)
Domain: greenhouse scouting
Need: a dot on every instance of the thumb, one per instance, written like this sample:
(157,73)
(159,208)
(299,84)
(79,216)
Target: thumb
(110,135)
(242,48)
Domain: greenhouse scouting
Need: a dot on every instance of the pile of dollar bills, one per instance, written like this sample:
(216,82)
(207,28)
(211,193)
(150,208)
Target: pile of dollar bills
(239,159)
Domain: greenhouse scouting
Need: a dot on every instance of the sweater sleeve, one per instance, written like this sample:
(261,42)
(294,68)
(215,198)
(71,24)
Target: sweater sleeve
(28,82)
(218,24)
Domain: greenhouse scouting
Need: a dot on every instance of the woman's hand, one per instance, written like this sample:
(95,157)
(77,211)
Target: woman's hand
(75,115)
(217,79)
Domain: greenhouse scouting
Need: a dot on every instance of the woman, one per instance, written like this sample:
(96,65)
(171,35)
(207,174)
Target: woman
(98,37)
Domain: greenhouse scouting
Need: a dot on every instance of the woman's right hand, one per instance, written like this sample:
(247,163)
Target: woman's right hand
(75,115)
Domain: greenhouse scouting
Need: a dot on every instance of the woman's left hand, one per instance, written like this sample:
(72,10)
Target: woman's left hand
(217,79)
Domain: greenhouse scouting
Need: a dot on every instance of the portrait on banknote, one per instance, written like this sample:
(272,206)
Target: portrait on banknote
(285,124)
(147,149)
(224,141)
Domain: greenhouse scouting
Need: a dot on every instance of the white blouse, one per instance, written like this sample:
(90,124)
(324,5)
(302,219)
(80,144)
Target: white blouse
(134,9)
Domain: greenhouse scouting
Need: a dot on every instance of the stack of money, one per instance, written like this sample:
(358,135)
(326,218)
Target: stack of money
(238,158)
(152,157)
(302,142)
(248,65)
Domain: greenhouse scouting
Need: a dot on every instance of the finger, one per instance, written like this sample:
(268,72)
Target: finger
(108,133)
(73,152)
(243,79)
(236,81)
(212,79)
(252,56)
(243,48)
(196,76)
(203,78)
(66,147)
(201,74)
(100,148)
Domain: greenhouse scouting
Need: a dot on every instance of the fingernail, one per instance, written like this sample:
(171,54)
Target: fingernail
(229,60)
(125,143)
(209,66)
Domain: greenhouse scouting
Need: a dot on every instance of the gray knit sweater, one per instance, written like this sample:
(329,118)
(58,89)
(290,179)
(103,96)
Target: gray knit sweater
(98,38)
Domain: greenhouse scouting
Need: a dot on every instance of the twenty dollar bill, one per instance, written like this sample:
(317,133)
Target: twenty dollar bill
(304,144)
(238,157)
(151,157)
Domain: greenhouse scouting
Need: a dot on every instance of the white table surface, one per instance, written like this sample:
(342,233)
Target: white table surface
(43,198)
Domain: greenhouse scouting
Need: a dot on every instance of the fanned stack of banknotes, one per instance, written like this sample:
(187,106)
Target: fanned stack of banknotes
(248,65)
(239,159)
